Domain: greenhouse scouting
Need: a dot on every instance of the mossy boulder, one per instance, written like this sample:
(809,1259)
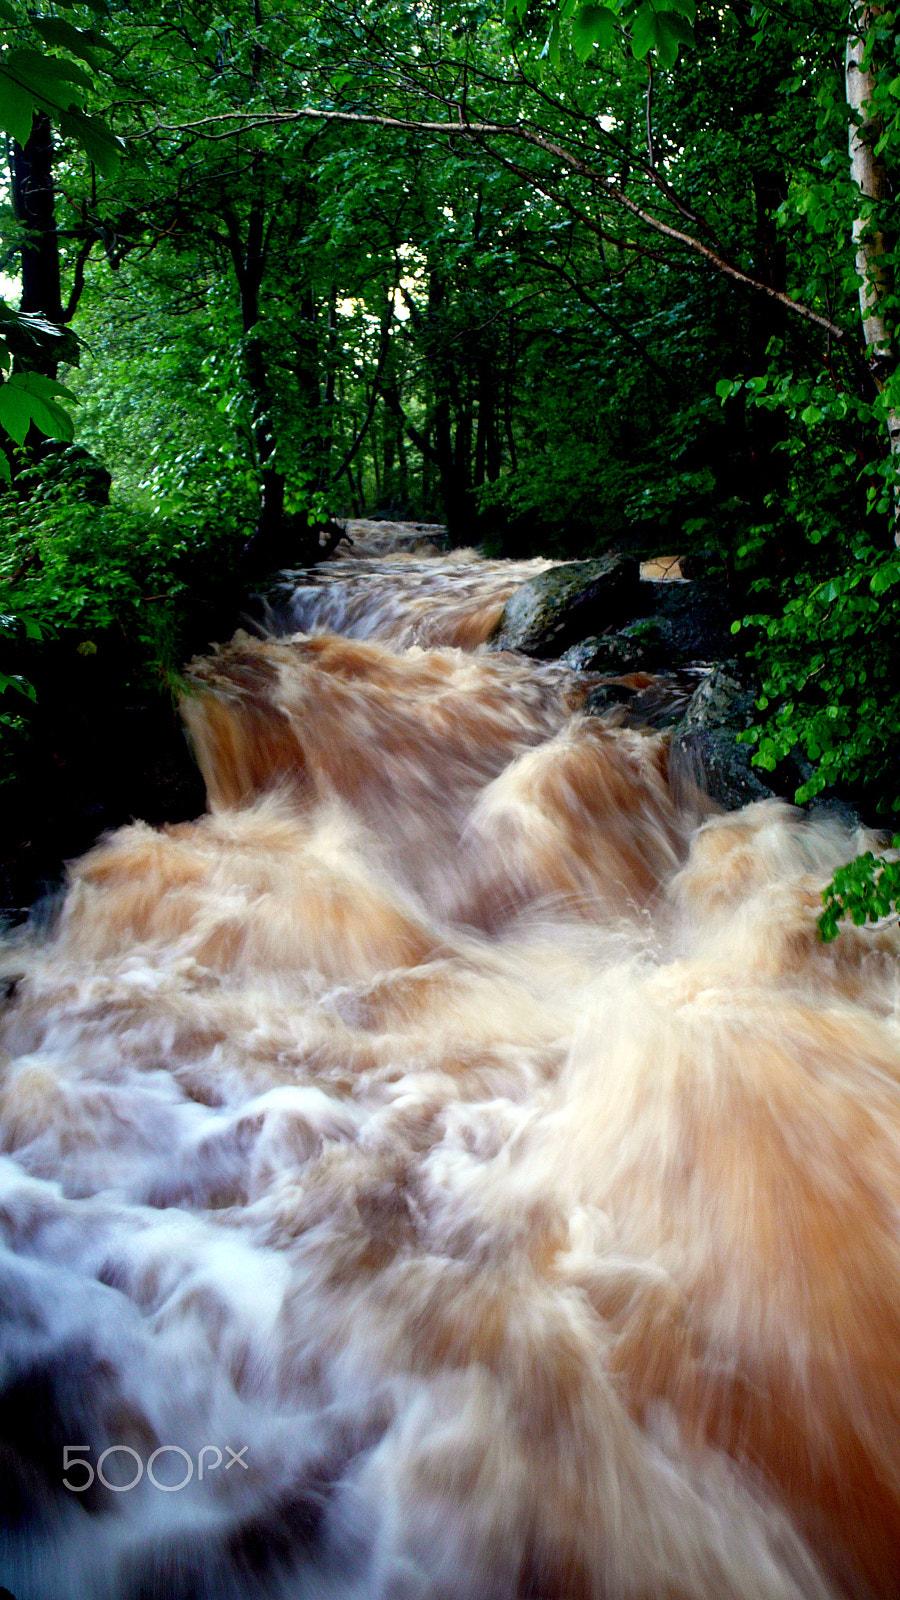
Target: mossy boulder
(564,604)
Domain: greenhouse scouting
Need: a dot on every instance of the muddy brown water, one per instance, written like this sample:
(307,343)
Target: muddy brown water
(451,1168)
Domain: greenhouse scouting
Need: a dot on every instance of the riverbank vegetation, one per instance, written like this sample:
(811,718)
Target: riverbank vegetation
(567,277)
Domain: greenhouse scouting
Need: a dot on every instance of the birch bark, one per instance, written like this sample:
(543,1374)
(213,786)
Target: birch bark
(869,173)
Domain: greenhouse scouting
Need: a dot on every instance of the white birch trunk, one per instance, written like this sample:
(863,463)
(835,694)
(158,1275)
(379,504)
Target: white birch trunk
(869,174)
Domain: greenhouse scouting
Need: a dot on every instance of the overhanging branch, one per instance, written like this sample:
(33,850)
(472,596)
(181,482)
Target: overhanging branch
(478,133)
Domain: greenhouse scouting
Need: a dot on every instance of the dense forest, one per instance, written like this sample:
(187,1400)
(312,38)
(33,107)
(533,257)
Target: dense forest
(564,277)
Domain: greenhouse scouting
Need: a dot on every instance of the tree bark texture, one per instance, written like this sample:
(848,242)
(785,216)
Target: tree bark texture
(34,202)
(248,259)
(869,173)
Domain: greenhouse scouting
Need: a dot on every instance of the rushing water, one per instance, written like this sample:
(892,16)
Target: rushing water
(451,1169)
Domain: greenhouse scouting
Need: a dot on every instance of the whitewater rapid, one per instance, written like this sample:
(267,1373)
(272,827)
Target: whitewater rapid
(452,1168)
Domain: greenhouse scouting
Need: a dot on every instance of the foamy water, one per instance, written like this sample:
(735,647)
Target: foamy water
(452,1167)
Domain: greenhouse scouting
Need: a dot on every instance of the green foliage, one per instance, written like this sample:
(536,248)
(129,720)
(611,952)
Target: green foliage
(643,27)
(829,673)
(866,890)
(12,627)
(42,69)
(28,399)
(82,579)
(33,80)
(825,628)
(817,560)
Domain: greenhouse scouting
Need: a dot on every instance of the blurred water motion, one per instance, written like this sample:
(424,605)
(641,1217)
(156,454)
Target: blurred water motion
(461,1134)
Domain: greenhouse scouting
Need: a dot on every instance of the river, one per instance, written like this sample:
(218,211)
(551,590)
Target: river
(451,1168)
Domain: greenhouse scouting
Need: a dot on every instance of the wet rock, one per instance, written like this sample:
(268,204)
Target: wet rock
(583,656)
(658,702)
(723,697)
(568,602)
(690,623)
(682,624)
(705,746)
(619,652)
(662,704)
(607,695)
(829,807)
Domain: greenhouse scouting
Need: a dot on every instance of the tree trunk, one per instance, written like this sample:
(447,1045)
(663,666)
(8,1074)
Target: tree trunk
(316,427)
(32,192)
(33,200)
(487,439)
(403,479)
(767,466)
(248,260)
(376,474)
(389,448)
(872,258)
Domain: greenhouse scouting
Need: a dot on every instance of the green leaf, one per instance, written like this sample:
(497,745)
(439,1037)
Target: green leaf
(30,322)
(51,419)
(98,142)
(15,681)
(594,24)
(16,107)
(47,388)
(48,76)
(662,31)
(7,14)
(28,397)
(81,42)
(884,579)
(15,412)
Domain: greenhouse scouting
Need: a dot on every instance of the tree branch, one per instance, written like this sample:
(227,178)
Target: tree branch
(478,133)
(77,288)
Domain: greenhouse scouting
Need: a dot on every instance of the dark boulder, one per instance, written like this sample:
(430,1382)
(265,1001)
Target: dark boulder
(673,625)
(566,603)
(606,696)
(690,623)
(289,541)
(705,745)
(609,653)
